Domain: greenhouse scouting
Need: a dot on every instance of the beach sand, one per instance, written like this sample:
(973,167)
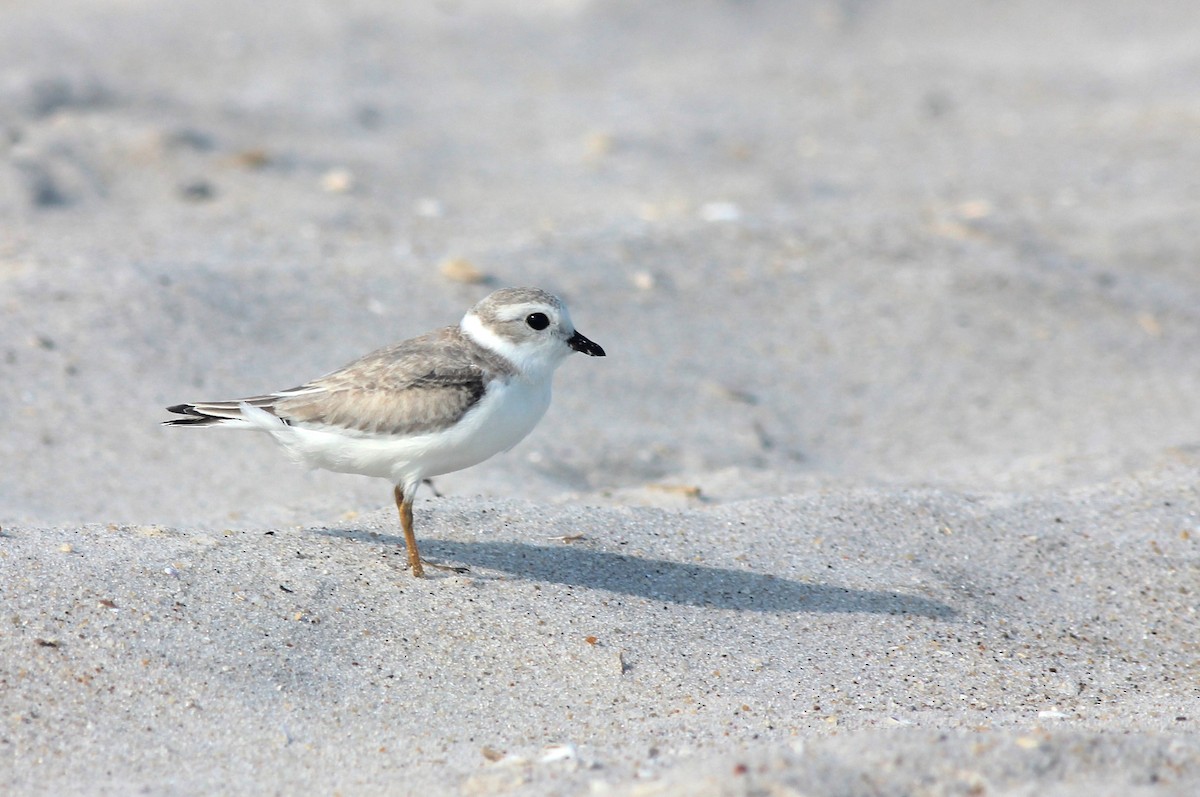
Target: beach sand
(888,484)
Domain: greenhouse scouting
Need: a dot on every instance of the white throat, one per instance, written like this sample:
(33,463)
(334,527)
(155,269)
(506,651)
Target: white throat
(534,362)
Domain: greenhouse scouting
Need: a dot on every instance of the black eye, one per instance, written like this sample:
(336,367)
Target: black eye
(537,320)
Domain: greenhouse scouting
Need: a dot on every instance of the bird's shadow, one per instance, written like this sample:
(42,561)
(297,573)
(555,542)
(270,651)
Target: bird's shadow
(666,581)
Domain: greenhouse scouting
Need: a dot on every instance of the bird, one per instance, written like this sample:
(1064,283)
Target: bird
(423,407)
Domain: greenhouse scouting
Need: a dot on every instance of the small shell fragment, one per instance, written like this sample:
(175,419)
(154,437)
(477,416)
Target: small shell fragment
(644,280)
(720,211)
(459,269)
(338,181)
(558,752)
(686,490)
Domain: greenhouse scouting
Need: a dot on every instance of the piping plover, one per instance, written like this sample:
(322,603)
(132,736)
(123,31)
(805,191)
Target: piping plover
(434,404)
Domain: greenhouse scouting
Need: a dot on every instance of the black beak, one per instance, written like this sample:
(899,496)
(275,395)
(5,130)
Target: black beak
(580,343)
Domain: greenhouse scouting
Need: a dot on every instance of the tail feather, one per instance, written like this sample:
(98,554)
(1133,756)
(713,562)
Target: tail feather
(193,422)
(214,413)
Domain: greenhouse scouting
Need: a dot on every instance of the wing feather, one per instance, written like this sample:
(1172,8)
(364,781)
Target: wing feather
(416,386)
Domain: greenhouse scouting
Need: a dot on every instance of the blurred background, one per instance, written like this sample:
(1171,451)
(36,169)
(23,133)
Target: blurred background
(823,243)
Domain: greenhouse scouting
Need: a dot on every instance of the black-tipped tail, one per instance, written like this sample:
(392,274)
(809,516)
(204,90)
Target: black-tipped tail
(213,413)
(194,417)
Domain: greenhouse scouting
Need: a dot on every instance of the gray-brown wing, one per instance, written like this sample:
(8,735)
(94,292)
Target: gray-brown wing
(416,386)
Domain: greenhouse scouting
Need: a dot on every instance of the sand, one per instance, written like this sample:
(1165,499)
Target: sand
(888,484)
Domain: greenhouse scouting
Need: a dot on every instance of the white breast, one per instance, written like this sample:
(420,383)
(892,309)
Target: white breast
(507,412)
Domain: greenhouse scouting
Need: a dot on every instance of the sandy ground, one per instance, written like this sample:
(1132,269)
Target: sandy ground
(888,484)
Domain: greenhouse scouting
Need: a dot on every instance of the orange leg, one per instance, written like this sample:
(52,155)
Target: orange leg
(410,539)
